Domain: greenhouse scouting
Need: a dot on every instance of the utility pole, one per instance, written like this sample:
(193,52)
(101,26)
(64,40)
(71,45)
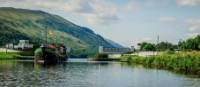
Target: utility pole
(158,39)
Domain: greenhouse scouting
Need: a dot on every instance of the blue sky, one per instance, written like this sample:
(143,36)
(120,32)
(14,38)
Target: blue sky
(125,21)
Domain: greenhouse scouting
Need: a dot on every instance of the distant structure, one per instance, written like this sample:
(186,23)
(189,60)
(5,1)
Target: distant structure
(113,50)
(10,46)
(132,48)
(23,44)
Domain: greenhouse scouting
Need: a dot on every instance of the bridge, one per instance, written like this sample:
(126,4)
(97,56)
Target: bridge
(103,50)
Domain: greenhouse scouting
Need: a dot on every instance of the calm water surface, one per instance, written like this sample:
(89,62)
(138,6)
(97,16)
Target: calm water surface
(80,73)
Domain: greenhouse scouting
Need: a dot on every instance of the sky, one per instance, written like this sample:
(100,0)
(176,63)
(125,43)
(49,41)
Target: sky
(126,22)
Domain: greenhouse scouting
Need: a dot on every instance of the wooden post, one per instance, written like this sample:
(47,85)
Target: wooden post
(6,48)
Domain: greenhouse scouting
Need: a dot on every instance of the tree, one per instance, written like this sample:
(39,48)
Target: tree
(163,46)
(190,44)
(144,46)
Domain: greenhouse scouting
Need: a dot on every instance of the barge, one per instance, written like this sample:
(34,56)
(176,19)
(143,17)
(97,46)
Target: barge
(51,54)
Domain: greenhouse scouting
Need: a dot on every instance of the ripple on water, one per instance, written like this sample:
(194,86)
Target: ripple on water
(89,74)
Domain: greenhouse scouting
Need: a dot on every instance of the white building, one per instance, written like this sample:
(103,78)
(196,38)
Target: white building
(132,48)
(10,46)
(23,44)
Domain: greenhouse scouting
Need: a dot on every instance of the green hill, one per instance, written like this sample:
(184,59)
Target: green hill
(16,24)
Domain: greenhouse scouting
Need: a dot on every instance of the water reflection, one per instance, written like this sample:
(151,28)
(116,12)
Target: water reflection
(88,74)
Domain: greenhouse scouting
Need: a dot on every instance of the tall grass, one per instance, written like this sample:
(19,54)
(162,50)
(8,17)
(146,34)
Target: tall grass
(187,62)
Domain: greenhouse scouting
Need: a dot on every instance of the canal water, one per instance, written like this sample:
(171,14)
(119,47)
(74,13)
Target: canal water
(81,73)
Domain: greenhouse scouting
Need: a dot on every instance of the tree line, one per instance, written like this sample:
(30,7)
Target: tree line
(189,44)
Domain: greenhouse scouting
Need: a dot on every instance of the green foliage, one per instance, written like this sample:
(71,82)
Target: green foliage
(188,62)
(27,53)
(101,56)
(8,35)
(144,46)
(9,55)
(163,46)
(190,44)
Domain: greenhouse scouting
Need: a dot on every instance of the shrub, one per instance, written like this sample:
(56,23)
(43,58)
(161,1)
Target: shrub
(102,56)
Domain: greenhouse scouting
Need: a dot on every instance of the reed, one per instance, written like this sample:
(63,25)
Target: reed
(187,62)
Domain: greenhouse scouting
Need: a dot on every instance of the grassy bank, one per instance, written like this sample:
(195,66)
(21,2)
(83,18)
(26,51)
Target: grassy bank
(15,55)
(8,56)
(186,62)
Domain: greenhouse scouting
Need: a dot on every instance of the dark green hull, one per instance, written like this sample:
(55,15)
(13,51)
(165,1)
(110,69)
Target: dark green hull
(49,56)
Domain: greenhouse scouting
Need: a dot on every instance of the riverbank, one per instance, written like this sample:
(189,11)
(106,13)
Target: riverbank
(186,62)
(8,55)
(8,50)
(14,54)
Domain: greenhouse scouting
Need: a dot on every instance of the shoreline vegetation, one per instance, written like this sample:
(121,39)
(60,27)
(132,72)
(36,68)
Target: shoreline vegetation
(8,55)
(13,54)
(184,62)
(183,57)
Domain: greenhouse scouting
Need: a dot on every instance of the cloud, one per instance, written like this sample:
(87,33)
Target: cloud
(188,2)
(167,3)
(104,19)
(104,13)
(107,12)
(193,27)
(157,3)
(79,6)
(147,39)
(94,11)
(193,34)
(167,19)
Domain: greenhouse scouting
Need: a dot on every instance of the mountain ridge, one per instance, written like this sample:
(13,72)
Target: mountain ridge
(31,24)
